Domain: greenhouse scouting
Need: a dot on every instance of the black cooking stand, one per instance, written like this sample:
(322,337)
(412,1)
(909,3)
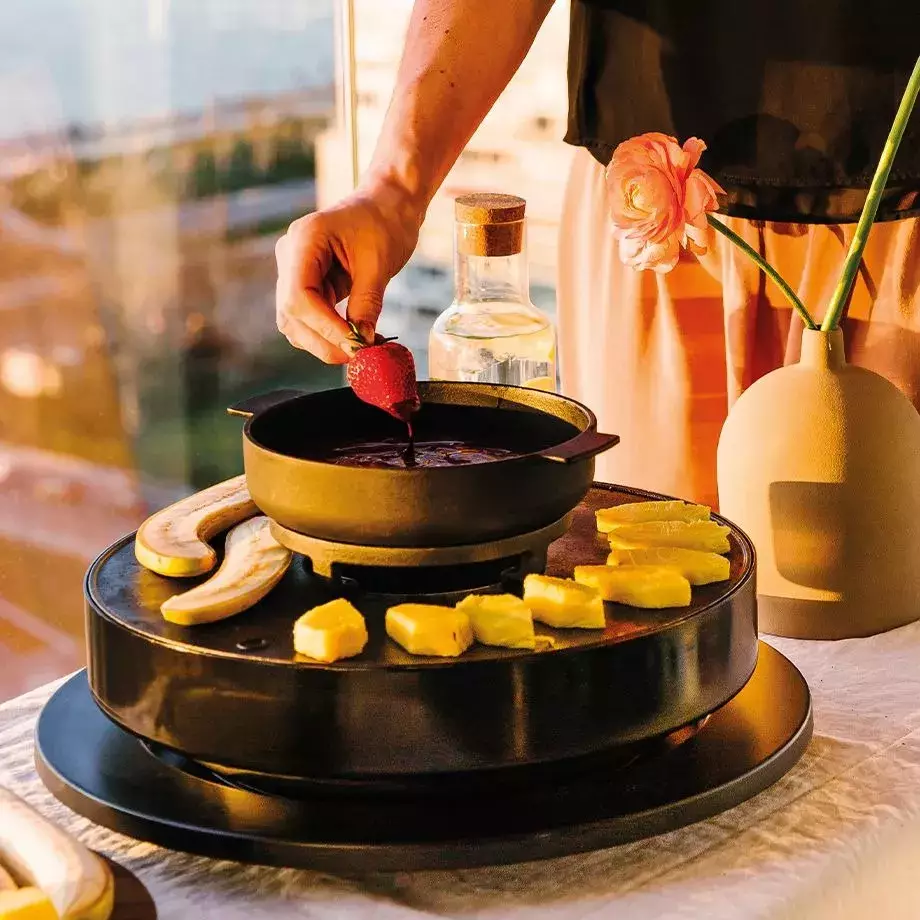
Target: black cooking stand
(235,693)
(220,740)
(112,778)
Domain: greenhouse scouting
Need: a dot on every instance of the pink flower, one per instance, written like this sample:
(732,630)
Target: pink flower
(659,200)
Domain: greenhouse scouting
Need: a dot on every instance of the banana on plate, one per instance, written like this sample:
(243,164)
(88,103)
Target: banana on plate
(174,541)
(254,562)
(52,866)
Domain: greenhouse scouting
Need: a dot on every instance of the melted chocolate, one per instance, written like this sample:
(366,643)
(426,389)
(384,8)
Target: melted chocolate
(396,454)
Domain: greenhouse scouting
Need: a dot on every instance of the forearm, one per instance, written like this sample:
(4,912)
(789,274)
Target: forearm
(459,56)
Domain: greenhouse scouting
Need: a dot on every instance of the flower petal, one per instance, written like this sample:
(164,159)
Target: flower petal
(658,199)
(640,255)
(699,195)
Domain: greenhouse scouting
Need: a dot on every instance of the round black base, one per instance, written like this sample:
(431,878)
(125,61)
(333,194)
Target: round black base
(112,778)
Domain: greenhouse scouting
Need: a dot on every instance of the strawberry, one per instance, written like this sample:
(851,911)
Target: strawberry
(383,374)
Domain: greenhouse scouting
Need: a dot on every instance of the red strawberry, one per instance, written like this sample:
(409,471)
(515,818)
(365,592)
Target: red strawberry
(383,375)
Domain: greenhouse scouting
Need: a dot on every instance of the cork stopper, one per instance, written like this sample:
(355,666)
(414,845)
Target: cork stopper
(489,224)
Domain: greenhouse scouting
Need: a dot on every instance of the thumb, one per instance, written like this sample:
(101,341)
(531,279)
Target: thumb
(365,303)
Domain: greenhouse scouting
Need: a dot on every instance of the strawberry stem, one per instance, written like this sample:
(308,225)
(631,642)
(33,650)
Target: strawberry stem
(359,341)
(356,335)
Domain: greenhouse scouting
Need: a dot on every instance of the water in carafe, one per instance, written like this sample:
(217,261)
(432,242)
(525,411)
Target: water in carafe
(492,333)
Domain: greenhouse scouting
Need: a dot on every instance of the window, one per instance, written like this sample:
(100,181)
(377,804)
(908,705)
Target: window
(151,152)
(518,149)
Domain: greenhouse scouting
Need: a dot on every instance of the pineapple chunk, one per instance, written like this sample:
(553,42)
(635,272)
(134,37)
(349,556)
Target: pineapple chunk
(500,619)
(563,603)
(652,586)
(706,536)
(29,903)
(640,512)
(330,632)
(697,567)
(427,629)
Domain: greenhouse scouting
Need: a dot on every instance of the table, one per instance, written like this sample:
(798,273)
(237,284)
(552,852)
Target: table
(838,837)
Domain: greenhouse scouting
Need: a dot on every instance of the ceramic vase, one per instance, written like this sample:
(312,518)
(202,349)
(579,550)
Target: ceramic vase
(819,462)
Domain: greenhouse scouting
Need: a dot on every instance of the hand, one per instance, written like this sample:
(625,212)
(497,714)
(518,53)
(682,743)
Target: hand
(350,250)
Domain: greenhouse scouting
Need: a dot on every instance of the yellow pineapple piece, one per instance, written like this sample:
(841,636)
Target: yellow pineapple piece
(428,629)
(500,619)
(563,603)
(641,512)
(698,567)
(706,536)
(330,632)
(29,903)
(652,586)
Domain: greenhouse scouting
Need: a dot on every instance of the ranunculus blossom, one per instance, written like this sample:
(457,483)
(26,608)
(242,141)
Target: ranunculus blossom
(659,199)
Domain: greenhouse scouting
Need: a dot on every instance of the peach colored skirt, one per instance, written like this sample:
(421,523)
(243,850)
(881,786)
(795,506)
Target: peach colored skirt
(662,358)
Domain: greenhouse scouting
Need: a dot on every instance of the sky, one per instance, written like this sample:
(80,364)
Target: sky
(112,61)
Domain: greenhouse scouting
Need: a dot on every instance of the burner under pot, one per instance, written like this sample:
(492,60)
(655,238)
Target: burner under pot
(443,574)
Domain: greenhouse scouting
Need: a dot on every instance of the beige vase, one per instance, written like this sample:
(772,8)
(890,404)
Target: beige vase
(819,463)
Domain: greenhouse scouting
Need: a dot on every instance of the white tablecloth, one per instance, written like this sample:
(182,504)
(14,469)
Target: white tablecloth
(837,837)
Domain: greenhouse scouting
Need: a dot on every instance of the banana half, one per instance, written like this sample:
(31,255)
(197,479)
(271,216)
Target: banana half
(40,855)
(174,541)
(254,562)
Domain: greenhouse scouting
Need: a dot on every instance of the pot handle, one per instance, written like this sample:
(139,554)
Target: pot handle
(247,408)
(581,447)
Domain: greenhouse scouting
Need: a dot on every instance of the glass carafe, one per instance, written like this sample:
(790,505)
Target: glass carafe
(492,333)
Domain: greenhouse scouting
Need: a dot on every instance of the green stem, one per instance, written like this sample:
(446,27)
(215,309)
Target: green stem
(766,268)
(870,208)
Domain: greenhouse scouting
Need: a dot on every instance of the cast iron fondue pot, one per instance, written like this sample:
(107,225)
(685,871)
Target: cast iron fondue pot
(289,434)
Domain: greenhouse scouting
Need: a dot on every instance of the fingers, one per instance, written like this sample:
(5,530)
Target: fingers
(301,336)
(366,301)
(304,299)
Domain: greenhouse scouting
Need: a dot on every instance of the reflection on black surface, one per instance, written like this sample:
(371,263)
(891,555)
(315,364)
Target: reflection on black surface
(115,780)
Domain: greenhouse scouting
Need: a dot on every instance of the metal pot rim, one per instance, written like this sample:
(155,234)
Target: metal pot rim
(426,386)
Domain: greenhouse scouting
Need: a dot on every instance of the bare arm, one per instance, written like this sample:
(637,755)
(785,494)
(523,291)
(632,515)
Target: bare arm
(459,56)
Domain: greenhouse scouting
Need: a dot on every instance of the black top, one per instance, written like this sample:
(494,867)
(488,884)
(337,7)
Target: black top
(794,98)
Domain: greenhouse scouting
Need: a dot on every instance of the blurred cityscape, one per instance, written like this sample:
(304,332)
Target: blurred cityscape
(139,206)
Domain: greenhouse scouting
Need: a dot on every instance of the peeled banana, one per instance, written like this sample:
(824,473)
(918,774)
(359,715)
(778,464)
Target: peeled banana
(706,536)
(174,541)
(254,562)
(41,855)
(429,629)
(563,603)
(330,632)
(651,586)
(6,881)
(640,512)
